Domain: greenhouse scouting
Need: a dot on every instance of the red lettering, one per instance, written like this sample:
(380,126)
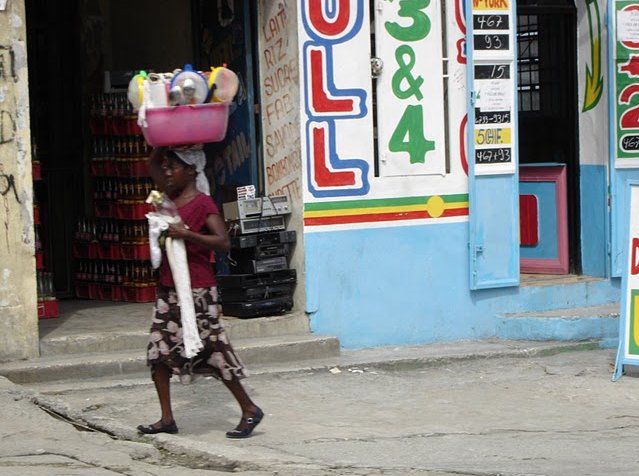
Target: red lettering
(323,176)
(320,100)
(634,265)
(490,4)
(326,27)
(268,57)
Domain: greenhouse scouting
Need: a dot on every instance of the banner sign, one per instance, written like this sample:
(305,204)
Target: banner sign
(628,352)
(626,90)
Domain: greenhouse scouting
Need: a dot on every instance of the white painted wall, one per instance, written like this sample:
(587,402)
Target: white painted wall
(592,51)
(348,70)
(279,112)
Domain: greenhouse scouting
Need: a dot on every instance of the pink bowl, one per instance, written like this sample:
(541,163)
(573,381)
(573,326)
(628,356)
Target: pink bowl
(190,124)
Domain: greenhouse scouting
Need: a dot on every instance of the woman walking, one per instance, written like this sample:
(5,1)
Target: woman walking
(179,174)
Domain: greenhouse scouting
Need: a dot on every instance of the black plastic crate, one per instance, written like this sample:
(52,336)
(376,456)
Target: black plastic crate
(263,308)
(260,252)
(258,239)
(255,293)
(259,266)
(284,276)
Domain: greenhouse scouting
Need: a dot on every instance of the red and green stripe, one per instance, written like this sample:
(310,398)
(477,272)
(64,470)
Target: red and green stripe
(385,209)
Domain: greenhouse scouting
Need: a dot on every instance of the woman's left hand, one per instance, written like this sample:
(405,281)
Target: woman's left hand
(178,230)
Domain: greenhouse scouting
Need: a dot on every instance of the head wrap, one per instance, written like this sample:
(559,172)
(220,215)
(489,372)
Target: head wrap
(196,158)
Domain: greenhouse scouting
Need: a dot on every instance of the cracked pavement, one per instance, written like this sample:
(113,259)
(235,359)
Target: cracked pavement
(542,415)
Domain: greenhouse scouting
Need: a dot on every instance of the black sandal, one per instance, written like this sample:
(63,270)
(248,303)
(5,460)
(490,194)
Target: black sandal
(251,423)
(162,428)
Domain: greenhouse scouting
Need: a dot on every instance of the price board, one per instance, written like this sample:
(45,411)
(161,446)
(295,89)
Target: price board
(491,42)
(493,83)
(493,187)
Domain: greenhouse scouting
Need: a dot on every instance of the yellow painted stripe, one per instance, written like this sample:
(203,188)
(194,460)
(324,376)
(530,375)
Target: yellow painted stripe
(634,320)
(454,206)
(364,211)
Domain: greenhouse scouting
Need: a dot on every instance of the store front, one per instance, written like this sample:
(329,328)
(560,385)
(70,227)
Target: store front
(438,189)
(82,133)
(461,214)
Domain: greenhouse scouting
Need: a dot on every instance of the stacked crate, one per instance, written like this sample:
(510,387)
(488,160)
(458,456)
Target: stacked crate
(48,305)
(111,247)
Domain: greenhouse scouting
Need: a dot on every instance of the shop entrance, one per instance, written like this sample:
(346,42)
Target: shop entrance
(548,130)
(80,59)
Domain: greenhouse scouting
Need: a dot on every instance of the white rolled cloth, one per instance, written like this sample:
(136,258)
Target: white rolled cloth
(196,158)
(157,224)
(176,254)
(178,263)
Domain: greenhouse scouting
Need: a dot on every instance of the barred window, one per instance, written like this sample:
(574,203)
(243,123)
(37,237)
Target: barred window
(528,84)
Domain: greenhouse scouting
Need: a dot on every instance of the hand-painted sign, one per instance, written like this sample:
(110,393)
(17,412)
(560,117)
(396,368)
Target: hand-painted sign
(594,79)
(628,351)
(410,90)
(626,88)
(481,5)
(346,183)
(337,135)
(279,85)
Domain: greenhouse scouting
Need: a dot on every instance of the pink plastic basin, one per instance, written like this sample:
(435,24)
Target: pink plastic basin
(190,124)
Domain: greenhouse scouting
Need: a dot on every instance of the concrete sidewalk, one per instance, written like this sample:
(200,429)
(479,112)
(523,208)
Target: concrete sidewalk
(476,408)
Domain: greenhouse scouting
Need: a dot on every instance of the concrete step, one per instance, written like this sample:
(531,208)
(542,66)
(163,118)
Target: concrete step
(545,293)
(87,338)
(256,350)
(575,323)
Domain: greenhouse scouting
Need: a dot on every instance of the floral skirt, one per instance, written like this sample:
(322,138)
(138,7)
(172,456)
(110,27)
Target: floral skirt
(217,358)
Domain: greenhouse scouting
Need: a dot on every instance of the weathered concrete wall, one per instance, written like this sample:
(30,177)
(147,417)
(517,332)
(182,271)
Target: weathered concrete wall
(279,91)
(18,311)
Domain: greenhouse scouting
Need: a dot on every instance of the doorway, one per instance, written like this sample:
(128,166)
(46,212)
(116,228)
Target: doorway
(86,51)
(547,98)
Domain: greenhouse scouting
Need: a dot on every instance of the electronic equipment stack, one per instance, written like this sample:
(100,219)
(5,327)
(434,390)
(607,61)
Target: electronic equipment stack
(260,282)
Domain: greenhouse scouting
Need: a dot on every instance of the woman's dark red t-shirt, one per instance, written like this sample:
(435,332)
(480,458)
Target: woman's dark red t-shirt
(194,215)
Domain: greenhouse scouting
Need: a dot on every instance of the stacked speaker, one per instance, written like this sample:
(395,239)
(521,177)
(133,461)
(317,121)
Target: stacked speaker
(260,282)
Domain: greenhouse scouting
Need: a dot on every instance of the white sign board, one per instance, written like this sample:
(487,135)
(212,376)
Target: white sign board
(628,25)
(494,71)
(410,90)
(628,351)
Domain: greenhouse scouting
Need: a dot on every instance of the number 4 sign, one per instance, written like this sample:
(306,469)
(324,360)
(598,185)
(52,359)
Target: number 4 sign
(410,91)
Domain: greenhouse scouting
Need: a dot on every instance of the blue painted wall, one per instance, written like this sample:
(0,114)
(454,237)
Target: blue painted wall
(408,285)
(593,210)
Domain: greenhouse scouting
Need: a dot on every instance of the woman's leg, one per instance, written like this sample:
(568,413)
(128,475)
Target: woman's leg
(251,414)
(161,375)
(246,404)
